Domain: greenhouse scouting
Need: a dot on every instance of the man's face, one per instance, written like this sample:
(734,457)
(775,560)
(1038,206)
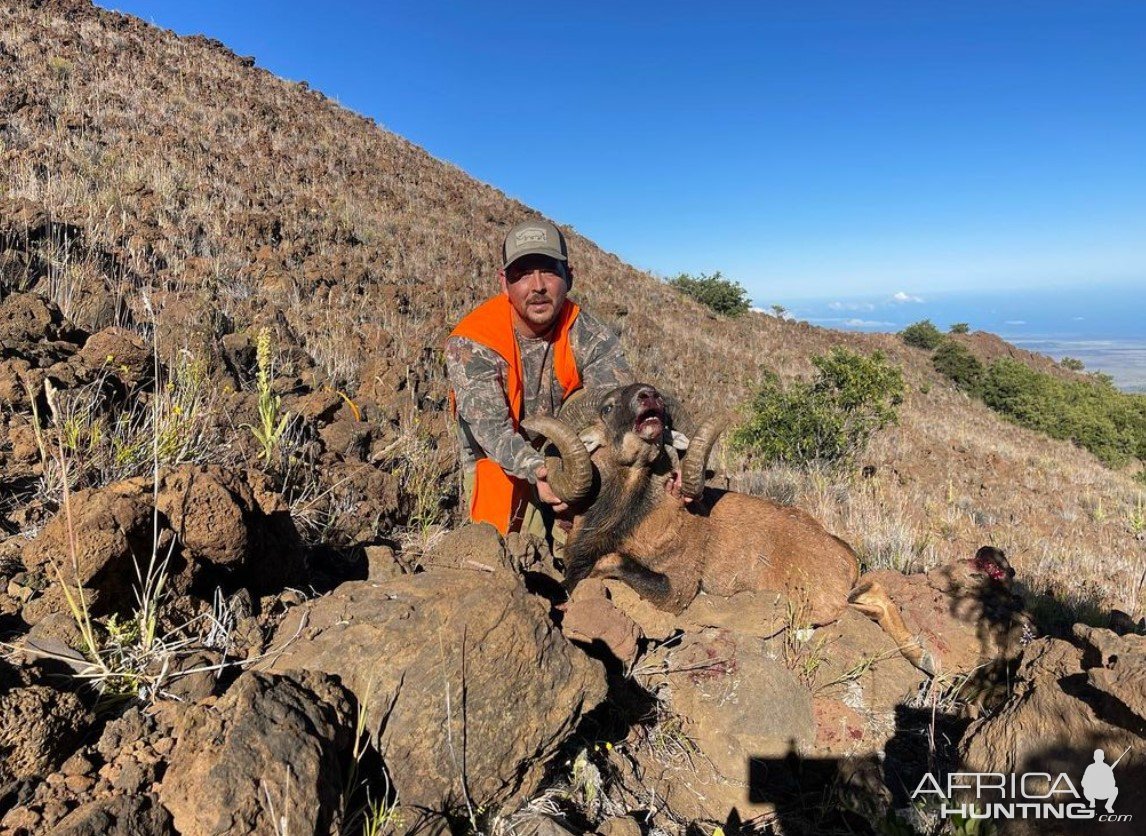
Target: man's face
(536,287)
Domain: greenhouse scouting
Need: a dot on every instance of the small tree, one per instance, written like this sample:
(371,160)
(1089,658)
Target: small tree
(959,364)
(1072,363)
(960,328)
(828,419)
(726,297)
(922,334)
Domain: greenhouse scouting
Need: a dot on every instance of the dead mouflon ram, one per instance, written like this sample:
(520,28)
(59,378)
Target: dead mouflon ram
(619,451)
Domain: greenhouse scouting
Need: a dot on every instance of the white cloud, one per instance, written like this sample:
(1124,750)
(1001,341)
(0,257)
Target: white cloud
(853,322)
(788,315)
(900,296)
(1015,322)
(851,306)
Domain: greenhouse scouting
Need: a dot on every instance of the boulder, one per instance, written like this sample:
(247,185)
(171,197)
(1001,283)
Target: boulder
(841,729)
(24,441)
(862,666)
(17,379)
(348,438)
(964,618)
(267,758)
(214,513)
(124,733)
(32,326)
(592,617)
(382,563)
(361,498)
(207,508)
(1068,702)
(736,715)
(112,530)
(120,815)
(224,521)
(119,352)
(316,408)
(755,613)
(1116,668)
(475,547)
(737,701)
(39,728)
(620,826)
(466,683)
(27,319)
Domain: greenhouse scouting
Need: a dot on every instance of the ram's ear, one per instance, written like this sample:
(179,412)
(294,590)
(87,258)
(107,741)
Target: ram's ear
(592,438)
(679,441)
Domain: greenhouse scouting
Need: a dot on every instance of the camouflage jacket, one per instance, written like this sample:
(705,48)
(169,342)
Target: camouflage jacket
(478,374)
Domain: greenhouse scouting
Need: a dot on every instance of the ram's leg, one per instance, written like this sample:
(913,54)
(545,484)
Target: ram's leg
(652,586)
(608,566)
(662,591)
(579,564)
(872,600)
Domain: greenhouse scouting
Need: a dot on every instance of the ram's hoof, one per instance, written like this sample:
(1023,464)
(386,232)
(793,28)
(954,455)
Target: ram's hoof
(928,665)
(914,653)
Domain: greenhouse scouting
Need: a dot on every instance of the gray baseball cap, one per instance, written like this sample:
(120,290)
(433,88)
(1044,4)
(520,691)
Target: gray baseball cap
(536,237)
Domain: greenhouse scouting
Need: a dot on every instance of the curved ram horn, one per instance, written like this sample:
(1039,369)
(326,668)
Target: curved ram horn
(582,407)
(571,473)
(695,462)
(679,419)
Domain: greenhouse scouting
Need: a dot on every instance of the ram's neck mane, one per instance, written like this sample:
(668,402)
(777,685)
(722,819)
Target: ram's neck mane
(627,496)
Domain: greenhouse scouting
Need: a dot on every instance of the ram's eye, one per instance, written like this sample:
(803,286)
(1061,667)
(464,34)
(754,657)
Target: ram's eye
(606,409)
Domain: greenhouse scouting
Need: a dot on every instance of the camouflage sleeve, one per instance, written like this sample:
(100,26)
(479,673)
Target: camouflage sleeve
(477,376)
(598,351)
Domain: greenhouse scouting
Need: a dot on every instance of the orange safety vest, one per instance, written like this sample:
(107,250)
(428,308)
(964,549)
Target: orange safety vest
(499,498)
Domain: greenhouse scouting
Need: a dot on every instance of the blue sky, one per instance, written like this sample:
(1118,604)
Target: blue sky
(804,149)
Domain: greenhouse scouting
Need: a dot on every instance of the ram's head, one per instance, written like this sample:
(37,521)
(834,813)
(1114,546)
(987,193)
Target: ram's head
(630,431)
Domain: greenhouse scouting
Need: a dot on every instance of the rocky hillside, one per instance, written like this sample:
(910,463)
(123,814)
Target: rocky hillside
(224,446)
(167,186)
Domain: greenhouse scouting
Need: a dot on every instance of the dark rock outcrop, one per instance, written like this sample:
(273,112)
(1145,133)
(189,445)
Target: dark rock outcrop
(1068,702)
(39,728)
(269,756)
(467,685)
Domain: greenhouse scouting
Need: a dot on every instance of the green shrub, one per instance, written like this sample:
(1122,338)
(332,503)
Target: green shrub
(1072,363)
(960,328)
(726,297)
(922,335)
(827,420)
(959,364)
(1092,413)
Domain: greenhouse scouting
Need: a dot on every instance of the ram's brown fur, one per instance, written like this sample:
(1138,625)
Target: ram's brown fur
(636,530)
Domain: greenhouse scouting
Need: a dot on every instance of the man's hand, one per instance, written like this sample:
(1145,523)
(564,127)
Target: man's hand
(672,486)
(545,493)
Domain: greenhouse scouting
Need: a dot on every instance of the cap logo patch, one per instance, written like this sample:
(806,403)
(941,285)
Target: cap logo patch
(530,235)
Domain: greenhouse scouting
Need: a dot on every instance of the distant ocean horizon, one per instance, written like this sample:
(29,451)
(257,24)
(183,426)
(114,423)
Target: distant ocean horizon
(1101,324)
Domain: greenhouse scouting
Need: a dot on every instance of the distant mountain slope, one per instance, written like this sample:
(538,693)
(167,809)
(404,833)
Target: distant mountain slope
(148,172)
